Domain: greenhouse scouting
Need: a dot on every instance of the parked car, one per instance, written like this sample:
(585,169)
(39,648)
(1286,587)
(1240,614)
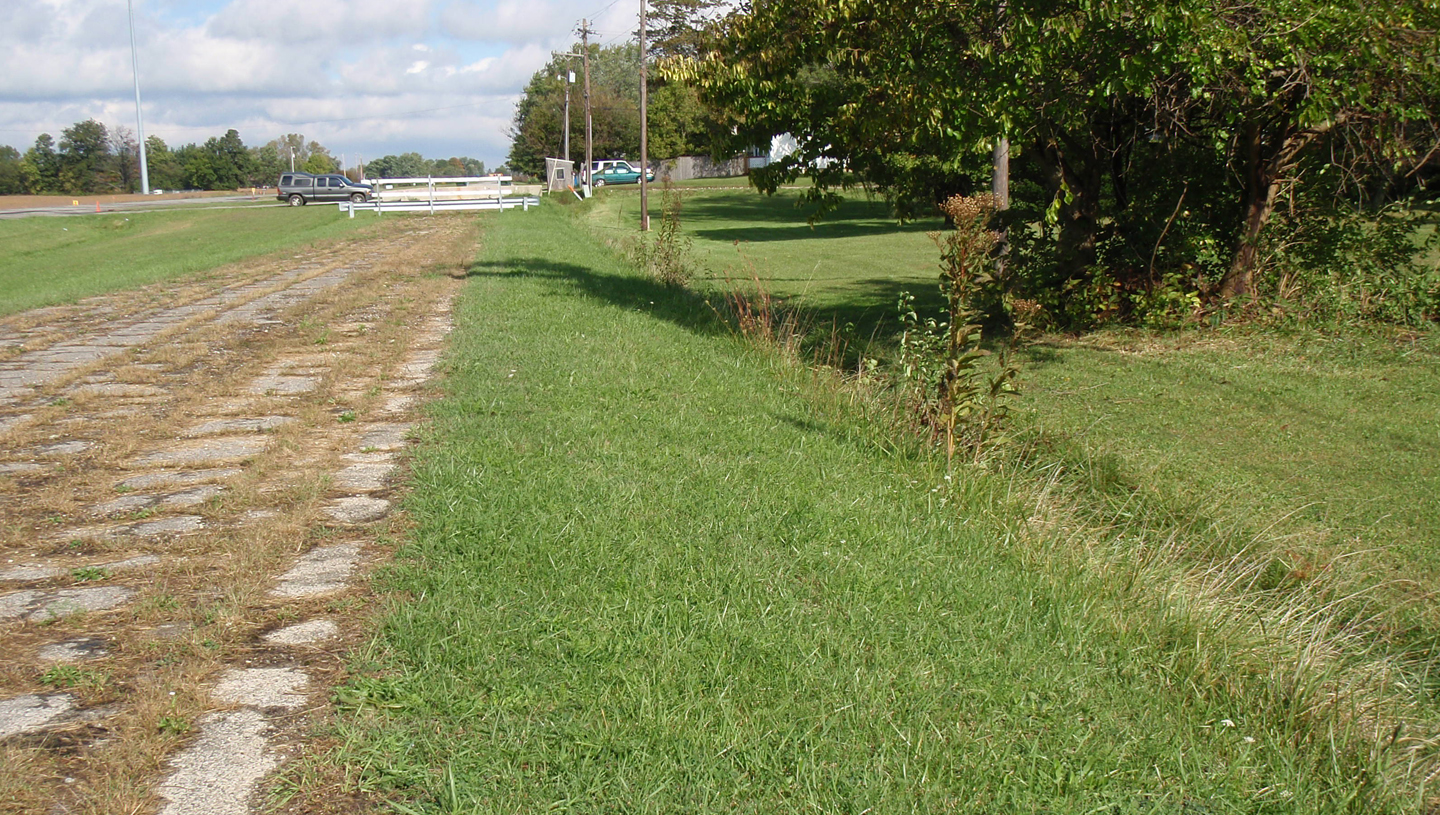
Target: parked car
(298,189)
(614,171)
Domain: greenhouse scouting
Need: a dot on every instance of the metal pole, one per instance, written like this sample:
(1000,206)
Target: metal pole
(569,78)
(1000,189)
(644,140)
(139,120)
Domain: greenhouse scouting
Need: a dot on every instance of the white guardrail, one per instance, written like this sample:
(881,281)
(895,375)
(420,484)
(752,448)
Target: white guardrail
(430,195)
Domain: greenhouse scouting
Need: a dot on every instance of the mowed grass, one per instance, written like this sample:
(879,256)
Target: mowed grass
(1324,446)
(850,266)
(653,570)
(47,260)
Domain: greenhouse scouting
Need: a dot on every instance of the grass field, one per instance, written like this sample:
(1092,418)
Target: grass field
(655,570)
(1327,447)
(59,260)
(1336,434)
(849,267)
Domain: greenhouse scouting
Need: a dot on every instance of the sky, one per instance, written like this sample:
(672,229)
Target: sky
(363,77)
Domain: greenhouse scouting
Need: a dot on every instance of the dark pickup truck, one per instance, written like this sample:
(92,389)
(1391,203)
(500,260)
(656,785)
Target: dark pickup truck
(299,189)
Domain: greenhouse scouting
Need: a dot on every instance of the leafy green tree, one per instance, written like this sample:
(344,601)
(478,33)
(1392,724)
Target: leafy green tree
(405,165)
(40,168)
(166,172)
(683,28)
(1122,110)
(85,158)
(267,164)
(197,168)
(12,180)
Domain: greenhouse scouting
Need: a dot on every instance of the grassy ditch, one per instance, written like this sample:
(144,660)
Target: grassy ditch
(655,569)
(60,260)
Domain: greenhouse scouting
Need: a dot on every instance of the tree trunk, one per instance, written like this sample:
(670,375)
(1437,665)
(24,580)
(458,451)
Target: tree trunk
(1267,158)
(1258,199)
(1079,220)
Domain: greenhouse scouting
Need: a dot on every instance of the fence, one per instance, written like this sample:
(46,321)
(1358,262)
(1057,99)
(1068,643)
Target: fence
(432,195)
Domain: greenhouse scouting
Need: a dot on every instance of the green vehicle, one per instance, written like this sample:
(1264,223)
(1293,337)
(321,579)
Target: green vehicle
(618,172)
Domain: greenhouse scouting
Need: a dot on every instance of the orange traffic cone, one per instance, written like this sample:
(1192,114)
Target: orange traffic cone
(97,206)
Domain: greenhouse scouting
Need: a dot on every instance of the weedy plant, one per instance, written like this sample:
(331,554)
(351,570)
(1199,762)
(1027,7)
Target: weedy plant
(952,392)
(667,257)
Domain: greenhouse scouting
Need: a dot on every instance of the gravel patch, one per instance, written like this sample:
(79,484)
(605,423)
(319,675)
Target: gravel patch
(385,436)
(363,477)
(284,385)
(73,650)
(322,570)
(32,712)
(304,633)
(218,774)
(31,572)
(66,602)
(217,427)
(263,687)
(147,481)
(357,509)
(227,449)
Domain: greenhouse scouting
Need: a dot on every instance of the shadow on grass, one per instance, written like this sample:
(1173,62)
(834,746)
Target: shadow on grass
(684,307)
(865,319)
(786,222)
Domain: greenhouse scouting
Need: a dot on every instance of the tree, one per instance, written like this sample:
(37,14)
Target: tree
(405,165)
(267,165)
(84,156)
(1278,75)
(166,172)
(614,102)
(683,28)
(126,153)
(12,179)
(908,95)
(40,168)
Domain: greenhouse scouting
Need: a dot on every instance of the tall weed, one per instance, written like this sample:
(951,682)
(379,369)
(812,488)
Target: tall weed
(941,370)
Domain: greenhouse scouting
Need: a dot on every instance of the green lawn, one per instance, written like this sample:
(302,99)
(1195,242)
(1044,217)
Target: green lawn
(849,267)
(1337,436)
(655,571)
(59,260)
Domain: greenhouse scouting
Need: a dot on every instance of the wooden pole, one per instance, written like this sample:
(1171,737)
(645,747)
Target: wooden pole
(589,123)
(644,140)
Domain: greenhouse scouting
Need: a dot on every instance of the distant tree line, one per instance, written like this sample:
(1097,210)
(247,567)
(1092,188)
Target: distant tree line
(90,158)
(414,165)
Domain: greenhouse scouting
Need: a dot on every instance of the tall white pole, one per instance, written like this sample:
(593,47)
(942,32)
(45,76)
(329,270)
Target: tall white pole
(139,120)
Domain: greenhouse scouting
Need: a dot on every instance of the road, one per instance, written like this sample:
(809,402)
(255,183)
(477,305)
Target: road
(211,202)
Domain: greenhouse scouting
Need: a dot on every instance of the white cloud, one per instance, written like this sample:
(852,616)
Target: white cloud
(358,75)
(339,23)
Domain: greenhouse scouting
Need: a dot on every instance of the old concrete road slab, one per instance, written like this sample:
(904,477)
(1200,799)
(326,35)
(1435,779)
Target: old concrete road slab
(193,479)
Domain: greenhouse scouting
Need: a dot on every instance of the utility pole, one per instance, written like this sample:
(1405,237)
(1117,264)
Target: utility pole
(568,78)
(585,33)
(139,120)
(644,140)
(644,134)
